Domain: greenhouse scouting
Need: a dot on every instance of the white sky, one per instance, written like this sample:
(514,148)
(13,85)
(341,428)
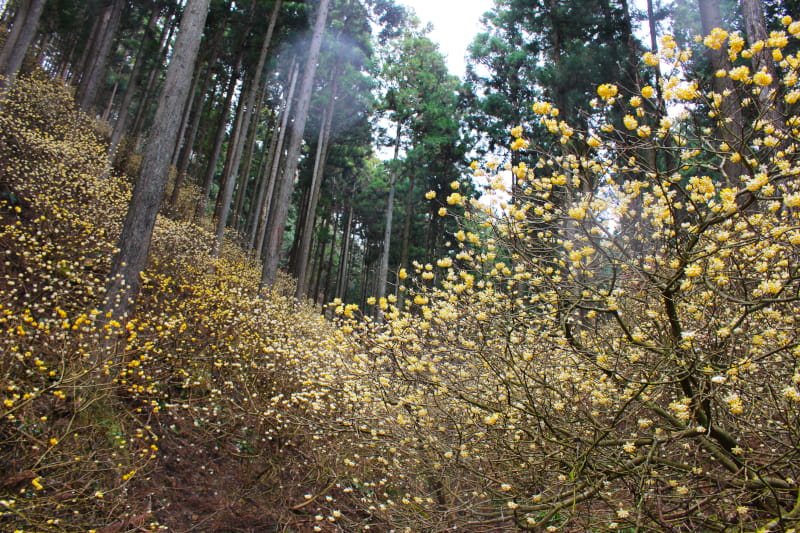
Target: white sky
(455,24)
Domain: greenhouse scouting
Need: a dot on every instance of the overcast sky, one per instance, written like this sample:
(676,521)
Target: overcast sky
(455,23)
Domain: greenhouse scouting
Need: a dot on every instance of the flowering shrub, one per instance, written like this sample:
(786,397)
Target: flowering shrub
(618,348)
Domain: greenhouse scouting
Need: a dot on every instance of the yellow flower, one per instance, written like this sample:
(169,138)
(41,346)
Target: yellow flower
(716,38)
(650,59)
(454,198)
(542,108)
(643,131)
(694,270)
(762,78)
(442,211)
(648,91)
(577,212)
(593,141)
(517,132)
(607,91)
(519,144)
(635,101)
(402,274)
(630,122)
(740,73)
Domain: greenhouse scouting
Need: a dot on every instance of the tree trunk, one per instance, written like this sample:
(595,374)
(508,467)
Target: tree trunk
(254,120)
(260,241)
(262,175)
(731,132)
(316,185)
(16,47)
(222,129)
(383,273)
(182,165)
(756,29)
(344,257)
(149,91)
(133,84)
(257,97)
(243,128)
(326,290)
(96,72)
(230,170)
(406,244)
(275,238)
(134,242)
(110,103)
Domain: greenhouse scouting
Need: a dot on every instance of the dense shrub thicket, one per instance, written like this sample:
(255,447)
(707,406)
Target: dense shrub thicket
(180,415)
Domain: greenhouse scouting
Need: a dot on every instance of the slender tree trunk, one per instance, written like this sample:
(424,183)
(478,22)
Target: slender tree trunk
(95,76)
(268,152)
(218,140)
(253,202)
(133,84)
(134,242)
(275,164)
(295,140)
(756,30)
(257,97)
(149,91)
(383,273)
(316,185)
(187,110)
(241,196)
(344,259)
(18,42)
(241,127)
(20,18)
(406,244)
(731,131)
(231,169)
(182,165)
(81,68)
(110,103)
(325,291)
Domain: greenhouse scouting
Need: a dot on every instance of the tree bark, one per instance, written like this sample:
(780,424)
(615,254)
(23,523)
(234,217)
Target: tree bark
(316,185)
(134,243)
(182,165)
(242,130)
(133,84)
(383,273)
(19,40)
(295,140)
(211,167)
(756,30)
(730,131)
(149,91)
(344,257)
(266,206)
(95,75)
